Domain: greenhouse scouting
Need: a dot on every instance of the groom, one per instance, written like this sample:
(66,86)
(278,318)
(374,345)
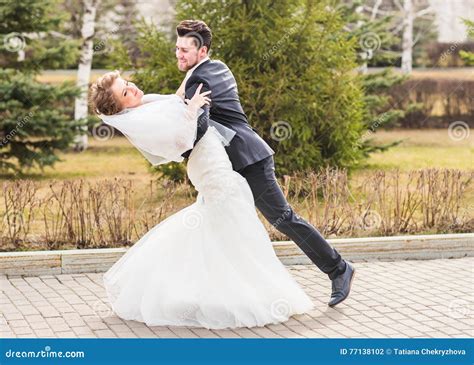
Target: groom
(250,155)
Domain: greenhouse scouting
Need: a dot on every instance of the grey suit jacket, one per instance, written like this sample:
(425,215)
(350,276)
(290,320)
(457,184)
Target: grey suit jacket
(247,147)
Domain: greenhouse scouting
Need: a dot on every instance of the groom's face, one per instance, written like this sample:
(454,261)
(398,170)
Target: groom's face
(188,54)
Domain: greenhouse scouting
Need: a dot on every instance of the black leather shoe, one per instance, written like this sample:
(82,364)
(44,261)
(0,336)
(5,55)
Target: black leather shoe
(341,285)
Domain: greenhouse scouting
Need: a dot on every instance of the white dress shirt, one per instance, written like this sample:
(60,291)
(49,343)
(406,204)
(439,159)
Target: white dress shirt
(191,70)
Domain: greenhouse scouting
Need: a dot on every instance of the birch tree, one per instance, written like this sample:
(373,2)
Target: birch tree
(407,38)
(403,15)
(409,15)
(84,68)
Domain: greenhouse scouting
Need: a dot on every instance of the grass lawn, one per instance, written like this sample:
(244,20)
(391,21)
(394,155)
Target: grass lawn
(421,149)
(117,158)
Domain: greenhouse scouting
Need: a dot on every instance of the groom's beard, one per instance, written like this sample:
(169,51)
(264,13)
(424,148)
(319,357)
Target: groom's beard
(185,66)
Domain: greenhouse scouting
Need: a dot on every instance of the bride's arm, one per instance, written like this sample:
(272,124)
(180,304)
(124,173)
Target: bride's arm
(181,89)
(199,99)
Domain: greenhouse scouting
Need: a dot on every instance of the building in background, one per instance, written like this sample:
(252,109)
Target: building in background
(448,16)
(160,12)
(451,29)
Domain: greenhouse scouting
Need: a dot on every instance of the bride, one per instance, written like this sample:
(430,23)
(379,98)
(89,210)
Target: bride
(211,264)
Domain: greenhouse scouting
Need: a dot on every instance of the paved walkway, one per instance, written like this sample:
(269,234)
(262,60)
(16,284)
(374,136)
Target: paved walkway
(389,299)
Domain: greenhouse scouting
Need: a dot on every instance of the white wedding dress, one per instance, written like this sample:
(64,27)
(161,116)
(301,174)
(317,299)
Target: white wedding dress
(209,265)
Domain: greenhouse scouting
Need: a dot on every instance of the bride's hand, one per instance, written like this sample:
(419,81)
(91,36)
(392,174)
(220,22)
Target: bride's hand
(199,100)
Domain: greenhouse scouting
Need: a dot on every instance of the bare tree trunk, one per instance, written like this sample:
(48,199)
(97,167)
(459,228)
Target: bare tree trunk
(84,69)
(407,41)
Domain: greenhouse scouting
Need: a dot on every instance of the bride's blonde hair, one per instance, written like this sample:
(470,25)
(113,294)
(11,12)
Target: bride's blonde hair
(101,98)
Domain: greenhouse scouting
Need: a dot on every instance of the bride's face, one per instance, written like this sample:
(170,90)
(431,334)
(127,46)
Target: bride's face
(127,93)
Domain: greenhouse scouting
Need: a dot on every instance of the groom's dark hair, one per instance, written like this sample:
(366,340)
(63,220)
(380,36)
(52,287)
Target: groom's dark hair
(196,29)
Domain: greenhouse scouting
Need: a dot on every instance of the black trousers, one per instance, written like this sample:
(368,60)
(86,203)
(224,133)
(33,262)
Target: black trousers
(270,200)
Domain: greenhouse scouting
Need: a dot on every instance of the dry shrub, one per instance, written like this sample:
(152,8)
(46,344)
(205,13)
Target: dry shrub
(108,213)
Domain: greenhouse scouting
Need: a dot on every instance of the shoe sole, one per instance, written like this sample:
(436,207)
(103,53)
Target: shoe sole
(350,287)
